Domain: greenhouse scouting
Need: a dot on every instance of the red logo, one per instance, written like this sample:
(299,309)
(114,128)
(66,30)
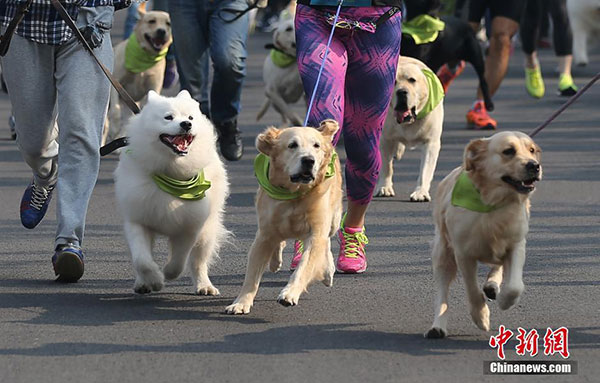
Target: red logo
(555,342)
(500,340)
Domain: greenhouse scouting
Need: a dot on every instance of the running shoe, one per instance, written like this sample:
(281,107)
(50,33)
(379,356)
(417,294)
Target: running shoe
(478,117)
(68,263)
(298,250)
(566,86)
(352,258)
(534,82)
(34,204)
(447,75)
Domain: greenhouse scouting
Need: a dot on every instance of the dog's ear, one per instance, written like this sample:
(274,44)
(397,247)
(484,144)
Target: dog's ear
(153,96)
(328,128)
(473,153)
(266,140)
(184,94)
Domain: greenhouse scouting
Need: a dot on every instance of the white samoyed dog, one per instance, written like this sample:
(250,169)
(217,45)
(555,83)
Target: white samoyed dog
(170,181)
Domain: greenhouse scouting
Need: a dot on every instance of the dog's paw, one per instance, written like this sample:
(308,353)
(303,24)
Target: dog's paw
(435,333)
(207,290)
(149,280)
(385,191)
(288,298)
(481,317)
(275,264)
(238,308)
(420,196)
(509,297)
(329,273)
(490,289)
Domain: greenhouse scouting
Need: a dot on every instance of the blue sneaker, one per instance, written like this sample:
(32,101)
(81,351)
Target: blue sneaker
(34,204)
(68,263)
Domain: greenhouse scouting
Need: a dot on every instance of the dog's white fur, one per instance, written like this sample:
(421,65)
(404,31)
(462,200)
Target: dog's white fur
(283,86)
(584,17)
(137,84)
(464,237)
(195,228)
(313,218)
(398,135)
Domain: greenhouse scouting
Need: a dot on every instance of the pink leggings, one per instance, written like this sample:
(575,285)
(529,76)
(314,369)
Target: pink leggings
(356,85)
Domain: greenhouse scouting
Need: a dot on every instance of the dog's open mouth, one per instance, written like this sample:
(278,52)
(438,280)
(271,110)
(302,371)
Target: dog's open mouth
(303,178)
(179,143)
(521,186)
(408,115)
(157,43)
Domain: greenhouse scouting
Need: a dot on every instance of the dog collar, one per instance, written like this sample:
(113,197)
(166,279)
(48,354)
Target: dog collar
(423,28)
(466,195)
(282,59)
(137,59)
(261,171)
(191,190)
(436,93)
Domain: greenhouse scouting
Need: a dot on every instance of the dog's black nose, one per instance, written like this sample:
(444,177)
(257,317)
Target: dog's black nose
(307,162)
(185,125)
(161,33)
(532,167)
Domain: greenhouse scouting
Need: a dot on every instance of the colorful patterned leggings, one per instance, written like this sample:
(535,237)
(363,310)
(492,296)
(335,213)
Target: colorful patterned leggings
(356,85)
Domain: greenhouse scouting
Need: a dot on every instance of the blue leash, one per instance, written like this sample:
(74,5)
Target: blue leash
(312,98)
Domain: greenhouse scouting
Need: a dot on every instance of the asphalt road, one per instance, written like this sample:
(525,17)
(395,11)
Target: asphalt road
(364,328)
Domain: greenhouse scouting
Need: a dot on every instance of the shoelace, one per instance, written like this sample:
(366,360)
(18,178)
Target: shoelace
(354,243)
(298,247)
(39,196)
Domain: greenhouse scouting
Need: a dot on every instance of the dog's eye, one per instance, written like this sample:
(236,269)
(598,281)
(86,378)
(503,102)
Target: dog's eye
(151,21)
(168,23)
(532,150)
(317,145)
(412,80)
(293,145)
(509,152)
(190,118)
(169,117)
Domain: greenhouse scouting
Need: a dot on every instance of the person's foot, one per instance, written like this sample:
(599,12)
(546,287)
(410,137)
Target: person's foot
(447,75)
(170,74)
(352,258)
(68,263)
(534,82)
(478,117)
(34,204)
(298,250)
(230,141)
(11,124)
(566,86)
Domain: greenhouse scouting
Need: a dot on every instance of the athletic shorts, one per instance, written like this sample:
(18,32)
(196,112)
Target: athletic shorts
(512,9)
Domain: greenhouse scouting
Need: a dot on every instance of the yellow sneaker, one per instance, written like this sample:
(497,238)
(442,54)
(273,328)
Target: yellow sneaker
(534,82)
(566,86)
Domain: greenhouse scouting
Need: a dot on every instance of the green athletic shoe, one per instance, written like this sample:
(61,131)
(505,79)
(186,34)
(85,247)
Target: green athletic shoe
(534,82)
(566,86)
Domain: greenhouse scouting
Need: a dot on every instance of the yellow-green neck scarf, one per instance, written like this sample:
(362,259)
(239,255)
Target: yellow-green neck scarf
(436,93)
(423,28)
(261,171)
(191,190)
(137,59)
(466,195)
(282,59)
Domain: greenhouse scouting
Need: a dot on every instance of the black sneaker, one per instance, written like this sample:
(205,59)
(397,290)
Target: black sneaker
(68,263)
(230,141)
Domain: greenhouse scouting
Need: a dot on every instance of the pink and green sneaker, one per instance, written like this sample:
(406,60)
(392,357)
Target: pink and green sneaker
(298,250)
(352,258)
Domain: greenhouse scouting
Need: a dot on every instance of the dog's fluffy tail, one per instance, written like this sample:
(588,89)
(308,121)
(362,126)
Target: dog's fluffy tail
(263,109)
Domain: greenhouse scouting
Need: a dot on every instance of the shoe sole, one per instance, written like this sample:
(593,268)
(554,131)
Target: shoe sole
(69,268)
(351,272)
(471,125)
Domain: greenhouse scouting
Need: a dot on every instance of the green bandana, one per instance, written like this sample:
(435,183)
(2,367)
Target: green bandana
(190,190)
(261,171)
(137,59)
(423,28)
(436,93)
(466,195)
(282,59)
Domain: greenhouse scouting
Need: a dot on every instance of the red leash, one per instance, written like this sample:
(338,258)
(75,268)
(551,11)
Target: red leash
(566,105)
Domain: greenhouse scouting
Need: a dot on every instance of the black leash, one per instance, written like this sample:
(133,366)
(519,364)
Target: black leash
(565,105)
(237,13)
(22,10)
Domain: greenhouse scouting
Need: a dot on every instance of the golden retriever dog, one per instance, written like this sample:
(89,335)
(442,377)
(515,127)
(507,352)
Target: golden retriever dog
(415,118)
(139,66)
(481,214)
(302,161)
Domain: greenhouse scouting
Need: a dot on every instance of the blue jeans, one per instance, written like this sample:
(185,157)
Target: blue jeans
(198,26)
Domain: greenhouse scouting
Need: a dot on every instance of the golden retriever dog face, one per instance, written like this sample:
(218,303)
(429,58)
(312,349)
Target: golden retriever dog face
(508,161)
(284,37)
(298,155)
(410,92)
(153,31)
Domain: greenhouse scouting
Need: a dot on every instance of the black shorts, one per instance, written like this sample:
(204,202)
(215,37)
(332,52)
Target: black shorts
(512,9)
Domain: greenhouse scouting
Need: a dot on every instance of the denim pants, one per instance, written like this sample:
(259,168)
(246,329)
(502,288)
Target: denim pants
(200,26)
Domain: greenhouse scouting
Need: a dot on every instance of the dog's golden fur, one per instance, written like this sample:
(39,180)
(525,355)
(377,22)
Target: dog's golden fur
(464,237)
(313,218)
